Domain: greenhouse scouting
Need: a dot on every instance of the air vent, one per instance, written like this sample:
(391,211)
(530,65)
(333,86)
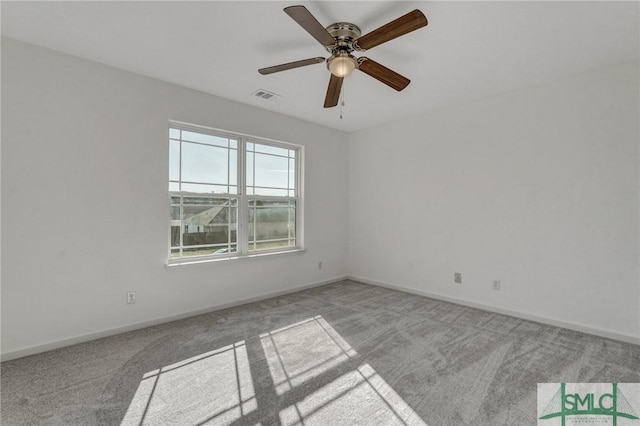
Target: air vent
(266,95)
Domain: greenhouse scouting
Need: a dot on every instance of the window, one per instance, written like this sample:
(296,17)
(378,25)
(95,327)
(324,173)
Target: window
(231,195)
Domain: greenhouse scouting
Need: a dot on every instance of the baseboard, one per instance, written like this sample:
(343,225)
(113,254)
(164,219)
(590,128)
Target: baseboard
(548,321)
(32,350)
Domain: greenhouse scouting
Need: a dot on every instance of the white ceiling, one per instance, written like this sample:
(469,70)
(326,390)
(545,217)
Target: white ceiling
(468,51)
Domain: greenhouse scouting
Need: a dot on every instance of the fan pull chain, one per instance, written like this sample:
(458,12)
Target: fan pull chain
(342,103)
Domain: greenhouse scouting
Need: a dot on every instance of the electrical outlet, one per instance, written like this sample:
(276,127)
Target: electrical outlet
(457,277)
(496,285)
(320,265)
(131,297)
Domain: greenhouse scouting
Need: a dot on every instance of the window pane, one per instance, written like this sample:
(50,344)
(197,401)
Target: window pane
(233,167)
(206,189)
(292,174)
(226,250)
(271,224)
(271,171)
(249,173)
(174,186)
(266,245)
(174,160)
(207,139)
(204,164)
(270,174)
(266,149)
(292,220)
(211,222)
(207,251)
(233,215)
(175,226)
(270,191)
(174,133)
(204,201)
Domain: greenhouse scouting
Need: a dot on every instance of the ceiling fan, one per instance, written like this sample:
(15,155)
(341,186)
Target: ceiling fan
(341,40)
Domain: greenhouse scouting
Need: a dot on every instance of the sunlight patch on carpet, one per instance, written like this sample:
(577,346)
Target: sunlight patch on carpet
(214,387)
(302,351)
(360,396)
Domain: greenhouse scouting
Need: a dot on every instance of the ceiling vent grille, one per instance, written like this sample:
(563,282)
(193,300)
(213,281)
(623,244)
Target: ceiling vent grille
(266,95)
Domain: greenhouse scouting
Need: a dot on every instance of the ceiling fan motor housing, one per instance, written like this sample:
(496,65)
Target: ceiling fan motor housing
(345,34)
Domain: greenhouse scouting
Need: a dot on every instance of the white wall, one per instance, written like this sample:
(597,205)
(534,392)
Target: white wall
(538,188)
(84,197)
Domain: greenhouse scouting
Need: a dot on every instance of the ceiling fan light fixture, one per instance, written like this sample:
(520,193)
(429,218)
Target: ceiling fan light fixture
(341,65)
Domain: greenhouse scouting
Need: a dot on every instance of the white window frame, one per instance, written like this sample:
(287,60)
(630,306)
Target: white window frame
(242,231)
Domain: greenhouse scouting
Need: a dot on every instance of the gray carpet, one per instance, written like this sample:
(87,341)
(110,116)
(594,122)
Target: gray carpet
(344,353)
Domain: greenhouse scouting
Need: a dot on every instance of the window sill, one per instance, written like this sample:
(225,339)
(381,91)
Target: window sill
(184,262)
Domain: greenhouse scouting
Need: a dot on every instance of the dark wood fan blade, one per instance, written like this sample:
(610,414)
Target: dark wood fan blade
(383,74)
(333,91)
(394,29)
(306,20)
(291,65)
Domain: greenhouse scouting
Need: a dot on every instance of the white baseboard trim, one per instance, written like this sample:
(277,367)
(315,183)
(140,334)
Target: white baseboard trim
(32,350)
(548,321)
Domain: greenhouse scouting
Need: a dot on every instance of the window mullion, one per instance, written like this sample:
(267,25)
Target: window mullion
(181,226)
(299,198)
(181,253)
(243,212)
(229,209)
